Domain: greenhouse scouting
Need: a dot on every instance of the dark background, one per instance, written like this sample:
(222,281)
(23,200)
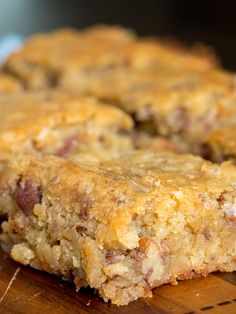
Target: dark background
(210,22)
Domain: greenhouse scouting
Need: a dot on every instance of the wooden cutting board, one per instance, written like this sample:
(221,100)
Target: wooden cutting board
(25,290)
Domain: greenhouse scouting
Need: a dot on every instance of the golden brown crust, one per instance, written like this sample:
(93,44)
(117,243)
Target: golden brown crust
(123,226)
(64,56)
(183,105)
(179,93)
(9,84)
(144,218)
(45,58)
(62,123)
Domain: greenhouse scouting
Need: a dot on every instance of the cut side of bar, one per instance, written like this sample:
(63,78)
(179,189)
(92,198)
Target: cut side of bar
(122,226)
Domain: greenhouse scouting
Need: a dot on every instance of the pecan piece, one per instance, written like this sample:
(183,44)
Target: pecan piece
(15,228)
(179,119)
(67,147)
(150,261)
(207,233)
(27,196)
(227,202)
(85,205)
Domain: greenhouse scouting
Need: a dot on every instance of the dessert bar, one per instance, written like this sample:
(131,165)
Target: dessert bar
(122,226)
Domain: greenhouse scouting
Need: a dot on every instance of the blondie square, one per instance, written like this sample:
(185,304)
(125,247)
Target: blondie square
(169,90)
(122,226)
(68,57)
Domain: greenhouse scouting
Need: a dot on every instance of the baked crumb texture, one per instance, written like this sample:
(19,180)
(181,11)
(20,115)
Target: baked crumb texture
(220,144)
(61,123)
(70,57)
(121,227)
(171,91)
(108,214)
(185,108)
(9,84)
(64,123)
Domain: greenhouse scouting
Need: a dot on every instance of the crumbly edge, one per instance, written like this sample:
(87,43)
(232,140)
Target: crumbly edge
(46,235)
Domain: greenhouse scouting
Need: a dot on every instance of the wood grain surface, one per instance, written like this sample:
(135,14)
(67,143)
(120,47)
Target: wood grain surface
(25,290)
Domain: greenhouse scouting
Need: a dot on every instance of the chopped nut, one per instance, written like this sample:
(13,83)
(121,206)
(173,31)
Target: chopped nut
(117,269)
(112,258)
(230,211)
(150,260)
(227,202)
(85,204)
(27,197)
(22,253)
(81,229)
(207,234)
(15,228)
(69,144)
(93,266)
